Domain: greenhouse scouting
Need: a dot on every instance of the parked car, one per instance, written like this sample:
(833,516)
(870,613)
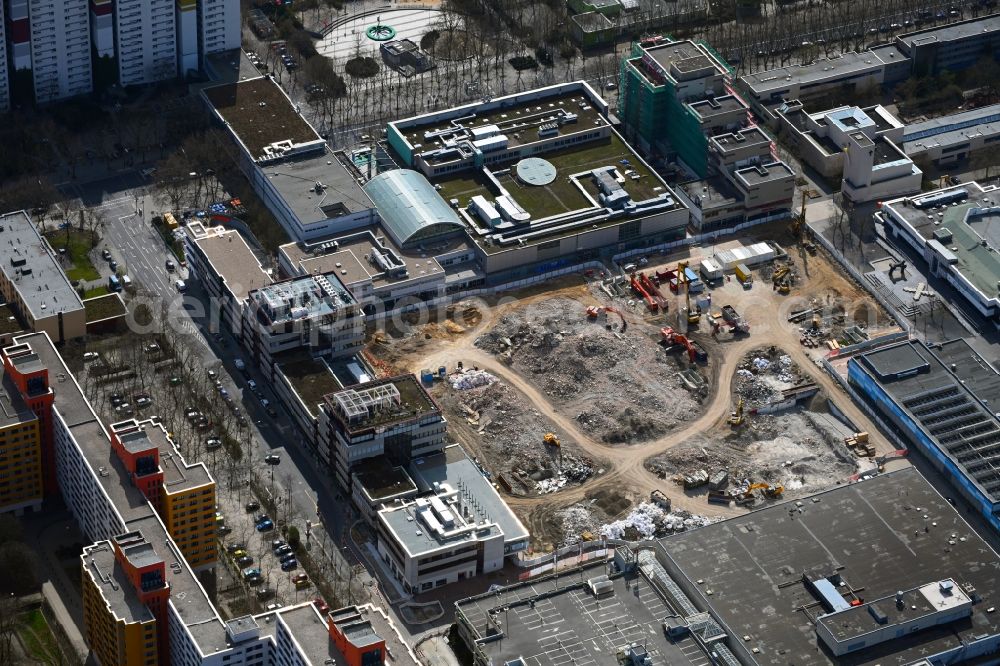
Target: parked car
(321,605)
(117,399)
(286,557)
(170,265)
(289,564)
(264,593)
(151,348)
(244,561)
(143,400)
(224,530)
(213,443)
(235,546)
(300,581)
(252,506)
(283,550)
(272,459)
(90,356)
(261,518)
(113,265)
(252,385)
(211,374)
(238,553)
(265,526)
(106,255)
(273,606)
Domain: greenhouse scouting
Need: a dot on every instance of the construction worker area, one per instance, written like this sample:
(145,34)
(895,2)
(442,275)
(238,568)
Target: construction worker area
(666,393)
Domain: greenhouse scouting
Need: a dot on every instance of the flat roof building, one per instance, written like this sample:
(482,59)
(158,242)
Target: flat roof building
(315,312)
(315,195)
(936,398)
(393,417)
(953,138)
(952,230)
(953,46)
(884,571)
(227,268)
(456,528)
(32,281)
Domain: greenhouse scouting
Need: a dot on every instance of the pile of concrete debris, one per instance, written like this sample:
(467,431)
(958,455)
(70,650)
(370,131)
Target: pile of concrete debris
(512,434)
(762,376)
(621,386)
(649,521)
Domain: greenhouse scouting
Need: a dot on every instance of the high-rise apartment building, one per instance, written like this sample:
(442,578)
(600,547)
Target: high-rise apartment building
(149,40)
(145,41)
(218,26)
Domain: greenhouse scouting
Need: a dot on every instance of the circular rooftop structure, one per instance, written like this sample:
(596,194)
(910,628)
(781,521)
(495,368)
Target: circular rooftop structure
(535,171)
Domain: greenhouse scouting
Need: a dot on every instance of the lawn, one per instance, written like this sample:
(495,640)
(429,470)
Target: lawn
(103,307)
(77,245)
(94,292)
(561,195)
(37,638)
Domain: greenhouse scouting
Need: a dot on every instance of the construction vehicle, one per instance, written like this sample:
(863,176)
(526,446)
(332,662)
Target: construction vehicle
(799,227)
(658,498)
(770,492)
(781,279)
(693,316)
(675,340)
(654,292)
(743,274)
(860,444)
(736,417)
(594,311)
(640,291)
(550,439)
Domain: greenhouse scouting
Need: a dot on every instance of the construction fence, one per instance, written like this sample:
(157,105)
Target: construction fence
(857,277)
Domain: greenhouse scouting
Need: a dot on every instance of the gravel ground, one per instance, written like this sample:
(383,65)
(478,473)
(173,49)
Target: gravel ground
(621,387)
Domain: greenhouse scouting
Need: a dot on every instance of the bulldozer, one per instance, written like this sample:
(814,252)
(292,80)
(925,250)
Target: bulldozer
(551,439)
(736,417)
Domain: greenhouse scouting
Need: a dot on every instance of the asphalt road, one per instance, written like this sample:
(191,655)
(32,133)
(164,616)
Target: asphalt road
(141,252)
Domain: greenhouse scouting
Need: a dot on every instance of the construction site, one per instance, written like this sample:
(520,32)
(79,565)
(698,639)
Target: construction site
(657,397)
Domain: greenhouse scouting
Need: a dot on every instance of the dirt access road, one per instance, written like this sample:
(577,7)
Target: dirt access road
(767,314)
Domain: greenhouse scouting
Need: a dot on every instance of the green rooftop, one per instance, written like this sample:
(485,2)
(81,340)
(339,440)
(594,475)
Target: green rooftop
(979,264)
(104,307)
(311,379)
(561,196)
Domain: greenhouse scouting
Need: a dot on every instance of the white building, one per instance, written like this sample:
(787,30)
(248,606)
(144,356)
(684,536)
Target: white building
(4,77)
(457,529)
(394,417)
(60,48)
(218,26)
(315,312)
(146,41)
(102,28)
(859,145)
(187,36)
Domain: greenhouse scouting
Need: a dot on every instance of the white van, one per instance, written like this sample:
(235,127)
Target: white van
(126,282)
(180,286)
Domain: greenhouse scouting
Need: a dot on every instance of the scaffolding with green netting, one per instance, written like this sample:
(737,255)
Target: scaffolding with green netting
(649,108)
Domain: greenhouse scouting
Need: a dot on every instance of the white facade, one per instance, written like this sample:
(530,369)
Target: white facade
(18,23)
(146,41)
(4,78)
(187,37)
(218,25)
(102,28)
(60,48)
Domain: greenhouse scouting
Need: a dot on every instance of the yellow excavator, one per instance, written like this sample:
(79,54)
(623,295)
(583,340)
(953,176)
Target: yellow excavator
(693,316)
(551,440)
(770,492)
(736,417)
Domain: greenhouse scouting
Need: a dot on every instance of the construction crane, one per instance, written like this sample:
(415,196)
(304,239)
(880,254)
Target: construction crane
(736,417)
(594,311)
(693,316)
(550,439)
(798,226)
(674,339)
